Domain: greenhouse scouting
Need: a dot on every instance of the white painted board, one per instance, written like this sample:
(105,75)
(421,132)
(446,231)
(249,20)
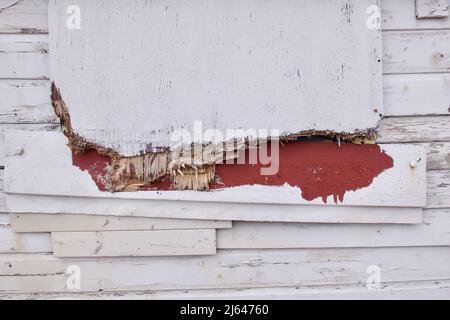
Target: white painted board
(23,223)
(149,68)
(432,8)
(229,269)
(19,203)
(434,231)
(134,243)
(39,163)
(421,290)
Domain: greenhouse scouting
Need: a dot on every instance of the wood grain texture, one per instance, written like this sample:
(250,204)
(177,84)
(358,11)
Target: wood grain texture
(134,243)
(25,102)
(230,269)
(431,9)
(438,189)
(434,231)
(438,156)
(414,129)
(421,290)
(24,57)
(25,16)
(66,223)
(401,15)
(416,51)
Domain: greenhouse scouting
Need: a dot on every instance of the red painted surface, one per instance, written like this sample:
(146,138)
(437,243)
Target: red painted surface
(95,164)
(319,169)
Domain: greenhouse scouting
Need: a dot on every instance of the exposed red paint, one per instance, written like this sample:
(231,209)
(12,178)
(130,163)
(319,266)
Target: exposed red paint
(95,164)
(319,169)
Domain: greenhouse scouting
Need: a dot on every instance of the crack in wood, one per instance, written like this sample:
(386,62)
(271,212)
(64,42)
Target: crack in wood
(189,168)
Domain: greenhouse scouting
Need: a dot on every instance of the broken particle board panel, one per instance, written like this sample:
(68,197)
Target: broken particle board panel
(40,178)
(432,9)
(134,243)
(220,62)
(23,223)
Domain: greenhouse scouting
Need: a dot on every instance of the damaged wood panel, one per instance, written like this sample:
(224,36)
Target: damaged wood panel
(26,101)
(11,242)
(435,231)
(416,51)
(417,94)
(24,57)
(420,290)
(401,15)
(48,152)
(438,189)
(242,269)
(23,16)
(432,9)
(134,243)
(188,74)
(63,222)
(414,129)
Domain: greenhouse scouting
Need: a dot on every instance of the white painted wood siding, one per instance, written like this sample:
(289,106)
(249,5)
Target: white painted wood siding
(417,272)
(241,59)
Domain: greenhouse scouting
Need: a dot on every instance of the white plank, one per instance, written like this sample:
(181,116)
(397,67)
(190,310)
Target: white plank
(45,168)
(417,94)
(239,269)
(2,195)
(423,290)
(208,211)
(21,126)
(11,242)
(30,264)
(414,129)
(416,51)
(431,9)
(134,243)
(435,231)
(32,273)
(25,102)
(253,58)
(26,16)
(438,156)
(438,189)
(4,220)
(429,290)
(63,222)
(401,15)
(24,57)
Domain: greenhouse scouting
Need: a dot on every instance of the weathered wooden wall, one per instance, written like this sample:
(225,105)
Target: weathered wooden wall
(267,260)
